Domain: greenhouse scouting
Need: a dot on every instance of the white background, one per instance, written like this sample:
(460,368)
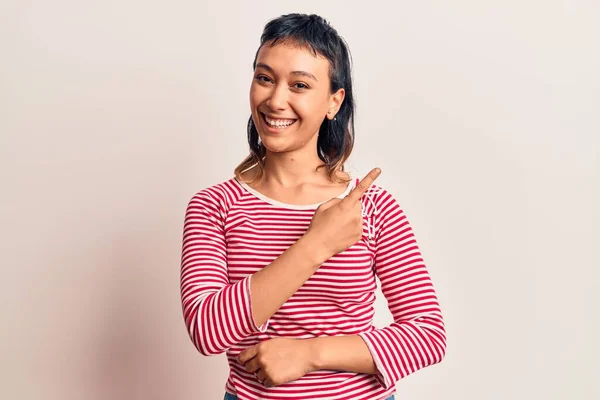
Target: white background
(483,115)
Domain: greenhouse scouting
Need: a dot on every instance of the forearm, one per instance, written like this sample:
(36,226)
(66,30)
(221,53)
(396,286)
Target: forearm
(273,285)
(342,353)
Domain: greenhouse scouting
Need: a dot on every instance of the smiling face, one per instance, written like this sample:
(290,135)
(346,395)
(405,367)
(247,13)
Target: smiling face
(290,96)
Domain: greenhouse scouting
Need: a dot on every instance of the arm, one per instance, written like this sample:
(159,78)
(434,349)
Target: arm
(417,336)
(218,314)
(273,285)
(341,353)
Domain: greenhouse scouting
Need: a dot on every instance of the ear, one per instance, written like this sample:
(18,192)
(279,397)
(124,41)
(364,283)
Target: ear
(335,102)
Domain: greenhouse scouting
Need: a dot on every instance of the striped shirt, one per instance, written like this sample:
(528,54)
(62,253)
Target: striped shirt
(231,231)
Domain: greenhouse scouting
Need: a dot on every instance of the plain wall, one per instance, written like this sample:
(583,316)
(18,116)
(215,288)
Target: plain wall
(483,115)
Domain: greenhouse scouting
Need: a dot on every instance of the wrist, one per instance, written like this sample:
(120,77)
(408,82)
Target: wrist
(314,350)
(314,249)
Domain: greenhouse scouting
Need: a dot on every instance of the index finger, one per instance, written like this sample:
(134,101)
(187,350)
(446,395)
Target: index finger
(363,185)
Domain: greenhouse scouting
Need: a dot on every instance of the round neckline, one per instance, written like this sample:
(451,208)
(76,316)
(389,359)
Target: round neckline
(281,204)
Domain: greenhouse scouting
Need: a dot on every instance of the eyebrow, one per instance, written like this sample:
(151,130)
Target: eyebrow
(301,73)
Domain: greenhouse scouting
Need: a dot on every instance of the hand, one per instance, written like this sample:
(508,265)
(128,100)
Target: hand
(278,361)
(338,224)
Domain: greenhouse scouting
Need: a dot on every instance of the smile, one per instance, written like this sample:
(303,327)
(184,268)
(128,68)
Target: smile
(278,123)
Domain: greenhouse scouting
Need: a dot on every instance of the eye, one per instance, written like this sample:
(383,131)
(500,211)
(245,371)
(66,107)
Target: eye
(300,85)
(262,78)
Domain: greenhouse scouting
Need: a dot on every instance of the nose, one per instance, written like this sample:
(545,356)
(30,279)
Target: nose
(278,98)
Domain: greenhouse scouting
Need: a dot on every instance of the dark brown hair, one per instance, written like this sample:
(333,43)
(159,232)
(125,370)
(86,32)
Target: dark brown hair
(336,137)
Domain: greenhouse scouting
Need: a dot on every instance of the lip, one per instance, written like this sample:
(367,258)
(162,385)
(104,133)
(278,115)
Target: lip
(276,116)
(269,128)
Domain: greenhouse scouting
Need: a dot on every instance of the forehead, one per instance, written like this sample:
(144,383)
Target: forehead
(286,57)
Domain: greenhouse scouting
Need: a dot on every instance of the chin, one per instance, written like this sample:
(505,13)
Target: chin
(282,144)
(280,148)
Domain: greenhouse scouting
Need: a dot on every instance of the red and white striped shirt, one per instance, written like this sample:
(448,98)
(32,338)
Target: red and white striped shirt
(231,231)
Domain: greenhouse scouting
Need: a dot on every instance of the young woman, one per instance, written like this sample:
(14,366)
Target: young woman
(279,262)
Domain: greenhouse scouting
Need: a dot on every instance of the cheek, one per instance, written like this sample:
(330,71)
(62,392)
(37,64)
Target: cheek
(258,94)
(311,109)
(311,118)
(253,95)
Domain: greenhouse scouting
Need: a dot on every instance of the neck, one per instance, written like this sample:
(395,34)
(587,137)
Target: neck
(292,168)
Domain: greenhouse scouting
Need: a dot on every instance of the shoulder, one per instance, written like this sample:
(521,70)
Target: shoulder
(381,200)
(219,196)
(374,192)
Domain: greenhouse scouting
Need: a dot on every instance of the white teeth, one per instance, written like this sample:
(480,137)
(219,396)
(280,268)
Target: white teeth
(279,123)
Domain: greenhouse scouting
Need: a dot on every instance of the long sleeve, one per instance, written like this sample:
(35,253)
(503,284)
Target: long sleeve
(217,314)
(417,337)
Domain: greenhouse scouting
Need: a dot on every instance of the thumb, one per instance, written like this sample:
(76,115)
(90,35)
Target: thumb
(247,354)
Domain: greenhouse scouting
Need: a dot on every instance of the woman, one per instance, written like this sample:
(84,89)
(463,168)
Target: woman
(278,264)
